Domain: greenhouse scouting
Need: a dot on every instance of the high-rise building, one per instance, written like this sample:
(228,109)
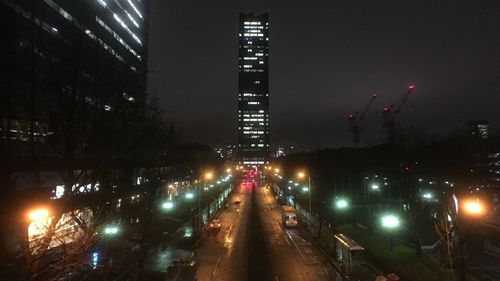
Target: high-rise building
(478,129)
(92,52)
(71,70)
(253,90)
(494,167)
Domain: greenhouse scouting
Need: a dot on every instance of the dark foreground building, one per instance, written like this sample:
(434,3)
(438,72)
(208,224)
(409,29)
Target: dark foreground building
(67,66)
(253,90)
(72,72)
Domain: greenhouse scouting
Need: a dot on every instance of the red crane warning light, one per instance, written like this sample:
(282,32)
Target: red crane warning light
(411,87)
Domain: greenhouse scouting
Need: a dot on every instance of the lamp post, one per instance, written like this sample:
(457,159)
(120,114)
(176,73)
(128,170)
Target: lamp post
(302,175)
(390,222)
(206,177)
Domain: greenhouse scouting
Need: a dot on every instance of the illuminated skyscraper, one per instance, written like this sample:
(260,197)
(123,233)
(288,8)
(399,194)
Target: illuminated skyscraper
(253,90)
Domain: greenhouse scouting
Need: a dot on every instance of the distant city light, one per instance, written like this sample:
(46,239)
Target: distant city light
(111,230)
(95,259)
(189,195)
(427,195)
(375,187)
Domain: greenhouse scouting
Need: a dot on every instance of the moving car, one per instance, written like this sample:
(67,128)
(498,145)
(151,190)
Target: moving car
(215,224)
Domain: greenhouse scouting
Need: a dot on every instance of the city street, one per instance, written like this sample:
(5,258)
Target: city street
(222,254)
(210,141)
(252,243)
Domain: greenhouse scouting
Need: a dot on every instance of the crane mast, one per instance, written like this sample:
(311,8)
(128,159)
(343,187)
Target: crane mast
(390,114)
(355,119)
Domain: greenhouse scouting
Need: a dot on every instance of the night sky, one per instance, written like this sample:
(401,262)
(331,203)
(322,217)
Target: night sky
(326,58)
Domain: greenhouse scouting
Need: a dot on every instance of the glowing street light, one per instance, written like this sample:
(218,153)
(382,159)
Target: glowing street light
(342,203)
(168,205)
(390,221)
(111,230)
(276,170)
(473,207)
(427,195)
(189,195)
(38,214)
(375,186)
(208,175)
(302,175)
(228,170)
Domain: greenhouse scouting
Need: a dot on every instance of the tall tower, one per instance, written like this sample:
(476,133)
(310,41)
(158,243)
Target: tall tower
(253,90)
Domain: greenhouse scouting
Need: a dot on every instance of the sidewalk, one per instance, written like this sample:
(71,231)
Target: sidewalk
(402,260)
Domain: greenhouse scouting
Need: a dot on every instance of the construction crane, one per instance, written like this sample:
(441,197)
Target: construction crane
(355,119)
(390,114)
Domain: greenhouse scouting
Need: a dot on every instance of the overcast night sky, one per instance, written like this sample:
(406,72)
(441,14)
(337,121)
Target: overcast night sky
(326,58)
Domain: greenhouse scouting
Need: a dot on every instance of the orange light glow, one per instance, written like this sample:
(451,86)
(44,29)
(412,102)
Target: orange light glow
(38,214)
(473,207)
(208,175)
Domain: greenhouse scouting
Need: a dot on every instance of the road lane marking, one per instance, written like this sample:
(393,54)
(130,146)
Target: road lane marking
(216,267)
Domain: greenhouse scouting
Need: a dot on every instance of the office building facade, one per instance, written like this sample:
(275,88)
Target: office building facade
(56,54)
(253,90)
(72,70)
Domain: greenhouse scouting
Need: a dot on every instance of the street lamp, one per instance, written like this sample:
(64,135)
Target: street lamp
(168,205)
(208,175)
(38,214)
(427,196)
(390,222)
(302,175)
(189,195)
(228,170)
(111,230)
(342,203)
(375,186)
(473,207)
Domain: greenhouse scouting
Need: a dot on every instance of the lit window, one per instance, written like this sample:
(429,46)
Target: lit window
(135,8)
